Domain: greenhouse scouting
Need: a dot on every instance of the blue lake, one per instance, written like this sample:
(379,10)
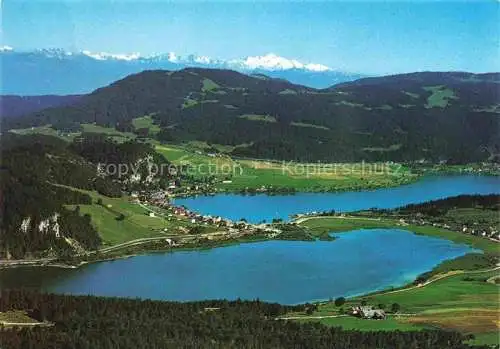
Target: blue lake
(255,208)
(288,272)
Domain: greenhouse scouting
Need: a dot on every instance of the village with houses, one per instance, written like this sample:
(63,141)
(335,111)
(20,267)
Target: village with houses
(218,228)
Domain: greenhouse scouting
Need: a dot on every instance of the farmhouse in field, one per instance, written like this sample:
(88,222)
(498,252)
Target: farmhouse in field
(367,312)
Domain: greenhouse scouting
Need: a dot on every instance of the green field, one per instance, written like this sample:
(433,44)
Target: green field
(111,132)
(288,92)
(188,103)
(344,224)
(440,96)
(461,302)
(47,131)
(146,122)
(136,223)
(256,117)
(69,136)
(353,323)
(390,148)
(255,174)
(209,85)
(304,124)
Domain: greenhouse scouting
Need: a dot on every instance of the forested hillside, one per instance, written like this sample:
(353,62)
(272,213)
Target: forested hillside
(442,206)
(40,175)
(431,116)
(100,323)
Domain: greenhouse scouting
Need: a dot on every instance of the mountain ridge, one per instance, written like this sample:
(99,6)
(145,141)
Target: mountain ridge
(55,71)
(12,105)
(397,119)
(268,61)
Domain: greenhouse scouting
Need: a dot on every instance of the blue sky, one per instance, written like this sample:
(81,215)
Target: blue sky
(369,37)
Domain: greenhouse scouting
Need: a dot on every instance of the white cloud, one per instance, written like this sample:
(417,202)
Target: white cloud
(6,48)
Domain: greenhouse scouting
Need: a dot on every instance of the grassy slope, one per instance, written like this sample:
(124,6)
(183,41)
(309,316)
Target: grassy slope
(257,117)
(450,303)
(89,128)
(146,122)
(440,96)
(45,130)
(353,323)
(136,224)
(16,316)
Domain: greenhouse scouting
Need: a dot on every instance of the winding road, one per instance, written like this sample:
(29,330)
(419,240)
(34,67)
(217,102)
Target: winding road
(441,277)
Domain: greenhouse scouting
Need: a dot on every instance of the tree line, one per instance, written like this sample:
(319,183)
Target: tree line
(95,322)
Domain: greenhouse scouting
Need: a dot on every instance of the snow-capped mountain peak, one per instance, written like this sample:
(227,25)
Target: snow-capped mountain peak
(5,48)
(58,71)
(101,56)
(269,62)
(172,57)
(272,61)
(53,53)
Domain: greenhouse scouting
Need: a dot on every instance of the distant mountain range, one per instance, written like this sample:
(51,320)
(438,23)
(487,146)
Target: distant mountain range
(20,105)
(55,71)
(449,116)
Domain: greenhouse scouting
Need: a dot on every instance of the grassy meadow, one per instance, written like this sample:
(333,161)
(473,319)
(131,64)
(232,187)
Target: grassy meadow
(136,222)
(464,302)
(112,133)
(146,122)
(253,174)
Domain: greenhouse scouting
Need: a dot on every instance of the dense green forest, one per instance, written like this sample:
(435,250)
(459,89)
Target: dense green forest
(431,116)
(442,206)
(36,173)
(95,323)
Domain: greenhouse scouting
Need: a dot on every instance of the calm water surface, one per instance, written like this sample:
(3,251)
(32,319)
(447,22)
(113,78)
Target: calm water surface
(283,271)
(256,208)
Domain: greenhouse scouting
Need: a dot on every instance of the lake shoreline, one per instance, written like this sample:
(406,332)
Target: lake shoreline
(409,179)
(375,290)
(262,207)
(341,223)
(293,190)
